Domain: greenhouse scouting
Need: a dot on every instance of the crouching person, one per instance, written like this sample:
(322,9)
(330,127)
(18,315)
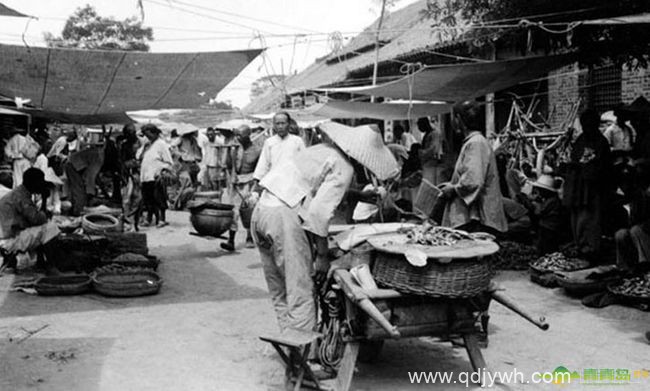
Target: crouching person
(23,227)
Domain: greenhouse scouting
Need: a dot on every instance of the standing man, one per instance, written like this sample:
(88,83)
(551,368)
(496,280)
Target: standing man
(189,156)
(278,148)
(210,163)
(240,194)
(22,150)
(155,157)
(431,152)
(473,197)
(588,185)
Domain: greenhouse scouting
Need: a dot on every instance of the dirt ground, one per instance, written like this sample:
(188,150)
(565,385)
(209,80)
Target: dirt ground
(201,333)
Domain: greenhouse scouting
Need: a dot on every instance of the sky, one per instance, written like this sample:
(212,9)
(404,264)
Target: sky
(295,31)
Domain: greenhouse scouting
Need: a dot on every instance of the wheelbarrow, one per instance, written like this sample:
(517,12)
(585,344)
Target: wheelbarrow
(375,315)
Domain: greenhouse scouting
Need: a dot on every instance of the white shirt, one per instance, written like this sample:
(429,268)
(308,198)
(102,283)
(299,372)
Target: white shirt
(314,182)
(275,151)
(210,152)
(155,157)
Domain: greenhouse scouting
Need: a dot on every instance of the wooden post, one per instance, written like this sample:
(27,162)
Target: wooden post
(376,66)
(489,105)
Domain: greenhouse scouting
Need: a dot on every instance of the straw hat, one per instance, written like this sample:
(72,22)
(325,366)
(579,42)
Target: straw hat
(184,131)
(365,146)
(608,116)
(546,182)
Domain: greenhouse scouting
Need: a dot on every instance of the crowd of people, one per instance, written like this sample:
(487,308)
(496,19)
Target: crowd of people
(600,189)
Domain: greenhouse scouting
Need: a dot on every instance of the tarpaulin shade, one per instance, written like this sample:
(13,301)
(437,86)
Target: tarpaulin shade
(458,82)
(383,111)
(6,11)
(98,82)
(628,19)
(4,111)
(81,119)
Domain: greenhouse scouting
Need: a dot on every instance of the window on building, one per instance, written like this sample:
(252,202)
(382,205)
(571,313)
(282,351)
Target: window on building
(605,87)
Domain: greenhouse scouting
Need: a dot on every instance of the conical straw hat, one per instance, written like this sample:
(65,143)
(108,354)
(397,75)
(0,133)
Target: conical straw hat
(364,145)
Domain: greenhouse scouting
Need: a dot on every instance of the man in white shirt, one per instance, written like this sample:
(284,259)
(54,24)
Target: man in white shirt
(210,179)
(278,148)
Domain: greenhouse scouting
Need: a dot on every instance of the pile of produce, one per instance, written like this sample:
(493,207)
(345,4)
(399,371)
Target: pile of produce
(116,268)
(429,235)
(513,256)
(637,287)
(558,262)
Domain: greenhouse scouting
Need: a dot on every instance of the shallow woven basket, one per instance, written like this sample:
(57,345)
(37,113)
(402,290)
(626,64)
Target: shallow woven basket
(140,283)
(62,285)
(457,279)
(97,224)
(627,298)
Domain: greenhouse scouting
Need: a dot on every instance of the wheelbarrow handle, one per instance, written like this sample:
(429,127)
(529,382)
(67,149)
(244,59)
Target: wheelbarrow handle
(510,304)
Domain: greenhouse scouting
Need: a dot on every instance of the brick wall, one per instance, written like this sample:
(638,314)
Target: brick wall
(572,84)
(563,90)
(635,83)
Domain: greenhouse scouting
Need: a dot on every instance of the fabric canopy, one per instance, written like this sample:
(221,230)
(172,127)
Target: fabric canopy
(459,82)
(383,111)
(629,19)
(81,119)
(4,111)
(6,11)
(99,82)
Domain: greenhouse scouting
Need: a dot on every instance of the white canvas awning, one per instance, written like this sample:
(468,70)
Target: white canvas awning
(383,111)
(459,82)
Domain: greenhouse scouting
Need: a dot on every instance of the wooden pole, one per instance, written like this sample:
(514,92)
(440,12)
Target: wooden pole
(376,65)
(489,106)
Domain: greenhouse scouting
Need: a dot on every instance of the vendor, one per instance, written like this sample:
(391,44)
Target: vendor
(240,191)
(294,212)
(23,227)
(473,200)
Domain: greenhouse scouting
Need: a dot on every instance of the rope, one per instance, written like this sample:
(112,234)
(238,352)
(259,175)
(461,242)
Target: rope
(331,347)
(410,70)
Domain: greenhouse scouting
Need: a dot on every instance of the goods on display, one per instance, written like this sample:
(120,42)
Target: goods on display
(558,262)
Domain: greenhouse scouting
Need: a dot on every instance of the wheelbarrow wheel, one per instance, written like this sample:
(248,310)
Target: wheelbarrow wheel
(369,351)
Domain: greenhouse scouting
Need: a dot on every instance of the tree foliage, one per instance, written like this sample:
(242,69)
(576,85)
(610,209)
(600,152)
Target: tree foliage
(265,83)
(621,43)
(85,29)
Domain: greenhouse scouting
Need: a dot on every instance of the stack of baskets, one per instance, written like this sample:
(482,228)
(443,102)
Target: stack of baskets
(461,278)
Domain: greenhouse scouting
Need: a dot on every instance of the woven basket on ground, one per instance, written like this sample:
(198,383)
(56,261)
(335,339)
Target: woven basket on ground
(134,284)
(98,224)
(457,279)
(62,285)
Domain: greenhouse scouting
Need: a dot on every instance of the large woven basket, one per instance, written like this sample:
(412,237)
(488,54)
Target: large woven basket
(456,279)
(140,283)
(62,285)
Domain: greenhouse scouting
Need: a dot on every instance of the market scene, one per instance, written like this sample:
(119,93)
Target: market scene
(340,195)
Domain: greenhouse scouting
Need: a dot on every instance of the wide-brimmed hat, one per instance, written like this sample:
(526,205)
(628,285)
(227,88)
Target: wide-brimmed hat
(547,182)
(365,146)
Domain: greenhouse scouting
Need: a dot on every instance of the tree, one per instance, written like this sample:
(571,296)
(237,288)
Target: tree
(265,83)
(85,29)
(628,44)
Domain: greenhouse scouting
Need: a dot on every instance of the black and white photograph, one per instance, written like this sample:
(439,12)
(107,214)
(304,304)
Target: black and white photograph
(336,195)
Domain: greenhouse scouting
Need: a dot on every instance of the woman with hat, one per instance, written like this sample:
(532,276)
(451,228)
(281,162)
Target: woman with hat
(291,219)
(548,213)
